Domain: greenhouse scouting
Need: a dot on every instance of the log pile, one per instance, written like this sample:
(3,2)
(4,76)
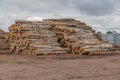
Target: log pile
(55,36)
(4,47)
(34,38)
(79,38)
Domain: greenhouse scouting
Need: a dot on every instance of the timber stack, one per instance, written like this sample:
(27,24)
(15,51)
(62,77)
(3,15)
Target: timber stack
(78,38)
(55,36)
(33,38)
(4,47)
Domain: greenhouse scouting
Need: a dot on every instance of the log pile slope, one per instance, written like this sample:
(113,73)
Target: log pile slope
(4,47)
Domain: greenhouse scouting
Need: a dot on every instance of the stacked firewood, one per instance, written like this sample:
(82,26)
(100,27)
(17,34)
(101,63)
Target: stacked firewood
(79,38)
(4,47)
(34,38)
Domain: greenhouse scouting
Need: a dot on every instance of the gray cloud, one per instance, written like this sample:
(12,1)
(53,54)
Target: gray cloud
(95,7)
(93,12)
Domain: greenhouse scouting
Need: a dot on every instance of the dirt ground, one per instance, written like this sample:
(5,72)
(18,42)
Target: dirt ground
(18,67)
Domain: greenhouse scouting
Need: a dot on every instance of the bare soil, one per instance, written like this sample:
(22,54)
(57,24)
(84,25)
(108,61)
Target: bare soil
(19,67)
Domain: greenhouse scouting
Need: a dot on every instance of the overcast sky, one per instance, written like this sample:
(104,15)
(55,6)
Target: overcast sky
(102,15)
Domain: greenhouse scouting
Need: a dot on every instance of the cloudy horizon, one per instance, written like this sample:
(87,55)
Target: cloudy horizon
(102,15)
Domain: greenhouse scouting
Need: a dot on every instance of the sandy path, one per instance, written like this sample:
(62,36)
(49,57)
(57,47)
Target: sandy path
(14,67)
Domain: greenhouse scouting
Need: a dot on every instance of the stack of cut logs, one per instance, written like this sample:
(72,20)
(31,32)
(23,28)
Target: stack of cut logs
(79,38)
(55,36)
(4,47)
(34,38)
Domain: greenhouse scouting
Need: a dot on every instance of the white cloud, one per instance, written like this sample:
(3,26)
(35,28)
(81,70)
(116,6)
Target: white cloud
(34,19)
